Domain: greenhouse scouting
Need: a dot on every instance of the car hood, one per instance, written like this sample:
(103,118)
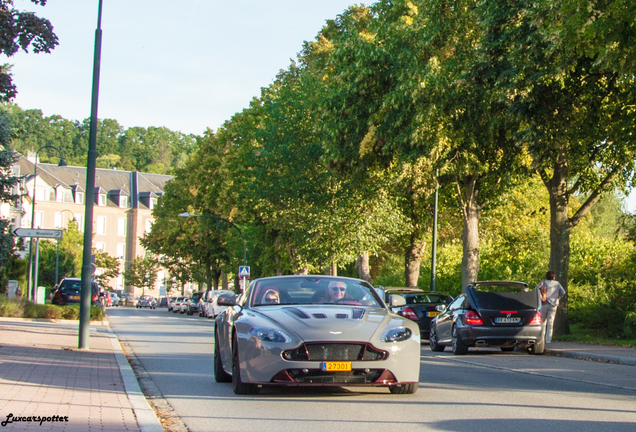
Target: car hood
(336,323)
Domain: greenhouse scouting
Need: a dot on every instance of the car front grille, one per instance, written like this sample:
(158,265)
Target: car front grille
(335,352)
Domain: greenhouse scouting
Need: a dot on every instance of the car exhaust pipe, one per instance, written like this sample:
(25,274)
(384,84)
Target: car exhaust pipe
(481,343)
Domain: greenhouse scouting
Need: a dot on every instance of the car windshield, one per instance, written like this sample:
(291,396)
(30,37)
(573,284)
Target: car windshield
(71,285)
(313,290)
(427,298)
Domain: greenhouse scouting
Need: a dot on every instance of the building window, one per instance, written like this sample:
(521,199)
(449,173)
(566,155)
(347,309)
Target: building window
(152,203)
(121,227)
(40,194)
(120,282)
(79,198)
(100,246)
(58,220)
(123,202)
(149,223)
(121,251)
(80,224)
(101,225)
(101,201)
(38,219)
(59,195)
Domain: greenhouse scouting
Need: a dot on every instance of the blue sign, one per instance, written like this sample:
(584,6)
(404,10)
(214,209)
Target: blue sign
(244,271)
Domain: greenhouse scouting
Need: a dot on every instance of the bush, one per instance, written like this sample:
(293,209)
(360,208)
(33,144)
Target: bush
(629,328)
(13,308)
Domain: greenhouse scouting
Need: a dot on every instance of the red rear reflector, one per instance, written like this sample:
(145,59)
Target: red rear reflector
(537,318)
(408,313)
(473,318)
(58,295)
(94,297)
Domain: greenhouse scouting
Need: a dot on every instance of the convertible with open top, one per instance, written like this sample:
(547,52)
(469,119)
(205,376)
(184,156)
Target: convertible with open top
(314,331)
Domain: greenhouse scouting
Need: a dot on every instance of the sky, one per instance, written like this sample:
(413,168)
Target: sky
(187,65)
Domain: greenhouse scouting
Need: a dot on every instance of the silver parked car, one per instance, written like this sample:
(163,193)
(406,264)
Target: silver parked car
(210,307)
(315,331)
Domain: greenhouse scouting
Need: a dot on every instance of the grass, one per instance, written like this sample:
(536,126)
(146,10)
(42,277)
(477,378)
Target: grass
(585,335)
(13,308)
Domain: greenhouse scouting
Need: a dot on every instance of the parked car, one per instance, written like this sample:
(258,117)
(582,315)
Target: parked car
(176,305)
(210,307)
(68,291)
(491,314)
(314,330)
(193,304)
(421,306)
(146,301)
(123,297)
(171,303)
(115,298)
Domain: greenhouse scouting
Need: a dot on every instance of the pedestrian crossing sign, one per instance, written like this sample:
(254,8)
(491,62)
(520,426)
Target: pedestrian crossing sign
(244,271)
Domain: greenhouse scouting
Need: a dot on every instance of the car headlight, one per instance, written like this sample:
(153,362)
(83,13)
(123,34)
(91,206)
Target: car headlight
(396,335)
(271,335)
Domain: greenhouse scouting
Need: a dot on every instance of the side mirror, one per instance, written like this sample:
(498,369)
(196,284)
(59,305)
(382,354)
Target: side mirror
(396,300)
(226,300)
(440,308)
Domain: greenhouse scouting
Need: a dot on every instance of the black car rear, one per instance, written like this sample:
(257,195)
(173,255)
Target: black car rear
(421,306)
(491,314)
(69,290)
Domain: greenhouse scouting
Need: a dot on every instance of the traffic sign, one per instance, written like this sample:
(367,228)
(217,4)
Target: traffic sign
(38,233)
(244,271)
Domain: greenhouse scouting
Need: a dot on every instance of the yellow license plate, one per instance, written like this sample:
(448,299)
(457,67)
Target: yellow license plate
(336,366)
(74,297)
(432,314)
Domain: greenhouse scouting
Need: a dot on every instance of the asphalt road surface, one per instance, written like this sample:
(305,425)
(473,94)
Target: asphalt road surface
(486,390)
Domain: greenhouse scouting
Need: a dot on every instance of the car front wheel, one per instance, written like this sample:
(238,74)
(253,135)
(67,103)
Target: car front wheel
(239,387)
(409,388)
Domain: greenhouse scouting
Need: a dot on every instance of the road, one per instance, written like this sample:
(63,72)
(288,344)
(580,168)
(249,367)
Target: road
(485,390)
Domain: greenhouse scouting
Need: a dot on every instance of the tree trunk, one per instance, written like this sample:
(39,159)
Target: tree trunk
(413,257)
(334,269)
(224,282)
(363,266)
(471,211)
(560,230)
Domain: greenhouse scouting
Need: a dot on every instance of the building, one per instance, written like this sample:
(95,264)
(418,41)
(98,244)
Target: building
(122,212)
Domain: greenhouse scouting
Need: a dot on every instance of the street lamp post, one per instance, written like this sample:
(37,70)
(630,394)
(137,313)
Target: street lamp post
(186,214)
(33,277)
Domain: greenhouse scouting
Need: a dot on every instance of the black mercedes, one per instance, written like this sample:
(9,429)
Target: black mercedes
(491,314)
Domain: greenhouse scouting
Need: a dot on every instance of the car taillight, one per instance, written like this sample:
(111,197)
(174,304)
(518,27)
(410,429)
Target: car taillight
(408,313)
(537,318)
(58,295)
(473,318)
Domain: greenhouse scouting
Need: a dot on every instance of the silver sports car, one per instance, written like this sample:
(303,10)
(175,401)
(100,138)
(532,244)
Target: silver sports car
(314,331)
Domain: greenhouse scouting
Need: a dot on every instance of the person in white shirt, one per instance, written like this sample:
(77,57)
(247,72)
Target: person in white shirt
(554,292)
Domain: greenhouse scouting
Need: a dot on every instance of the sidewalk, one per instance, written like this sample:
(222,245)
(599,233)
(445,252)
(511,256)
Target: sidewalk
(603,353)
(52,385)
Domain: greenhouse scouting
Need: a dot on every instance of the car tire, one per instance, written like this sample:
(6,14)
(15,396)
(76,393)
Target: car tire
(538,348)
(239,387)
(432,342)
(219,374)
(409,388)
(459,347)
(507,349)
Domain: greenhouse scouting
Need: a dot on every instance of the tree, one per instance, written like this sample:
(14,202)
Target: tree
(21,30)
(108,266)
(573,94)
(142,273)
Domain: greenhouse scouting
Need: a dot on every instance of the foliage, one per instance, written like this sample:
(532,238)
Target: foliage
(69,261)
(13,308)
(142,273)
(107,265)
(153,149)
(21,30)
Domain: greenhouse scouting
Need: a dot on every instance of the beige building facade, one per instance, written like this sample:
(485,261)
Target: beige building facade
(122,211)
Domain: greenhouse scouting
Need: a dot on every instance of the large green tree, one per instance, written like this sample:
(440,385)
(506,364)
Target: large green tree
(21,30)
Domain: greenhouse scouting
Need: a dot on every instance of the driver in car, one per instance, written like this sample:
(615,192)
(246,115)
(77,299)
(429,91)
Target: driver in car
(337,293)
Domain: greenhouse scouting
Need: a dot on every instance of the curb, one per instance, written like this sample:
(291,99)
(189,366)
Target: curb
(146,417)
(51,320)
(581,355)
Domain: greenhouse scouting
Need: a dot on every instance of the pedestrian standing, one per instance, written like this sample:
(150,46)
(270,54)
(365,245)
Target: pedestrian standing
(553,293)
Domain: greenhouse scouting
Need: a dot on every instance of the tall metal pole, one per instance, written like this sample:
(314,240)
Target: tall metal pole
(434,251)
(87,268)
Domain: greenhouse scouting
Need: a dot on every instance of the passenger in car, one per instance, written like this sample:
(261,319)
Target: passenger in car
(271,297)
